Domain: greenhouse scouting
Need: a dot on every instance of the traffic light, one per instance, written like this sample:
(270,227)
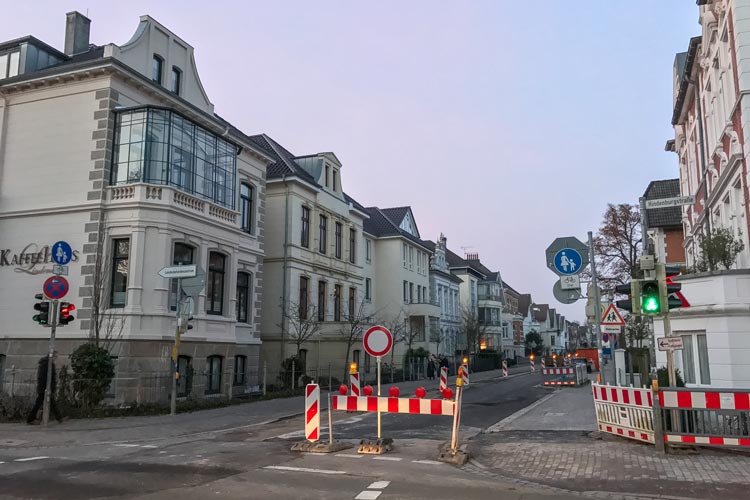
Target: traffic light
(671,288)
(633,303)
(43,307)
(651,297)
(66,308)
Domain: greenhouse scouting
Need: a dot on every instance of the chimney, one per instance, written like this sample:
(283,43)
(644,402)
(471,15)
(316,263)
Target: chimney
(472,257)
(77,28)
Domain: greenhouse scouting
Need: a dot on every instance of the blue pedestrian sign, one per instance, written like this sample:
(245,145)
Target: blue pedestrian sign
(61,253)
(568,261)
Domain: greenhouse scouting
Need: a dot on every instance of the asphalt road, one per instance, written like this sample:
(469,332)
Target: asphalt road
(255,462)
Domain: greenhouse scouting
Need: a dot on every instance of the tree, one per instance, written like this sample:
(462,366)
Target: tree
(93,370)
(617,245)
(351,330)
(472,328)
(636,331)
(396,325)
(534,342)
(440,337)
(718,247)
(303,324)
(107,323)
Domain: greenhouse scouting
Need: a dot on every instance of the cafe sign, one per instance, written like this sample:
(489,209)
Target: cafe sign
(32,259)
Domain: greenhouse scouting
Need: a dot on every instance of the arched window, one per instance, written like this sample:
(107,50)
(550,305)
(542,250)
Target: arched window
(156,69)
(176,81)
(215,284)
(213,374)
(247,215)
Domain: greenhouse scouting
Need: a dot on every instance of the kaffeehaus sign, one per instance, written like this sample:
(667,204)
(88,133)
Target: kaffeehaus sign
(32,259)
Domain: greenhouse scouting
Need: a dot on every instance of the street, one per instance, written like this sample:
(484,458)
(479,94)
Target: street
(237,452)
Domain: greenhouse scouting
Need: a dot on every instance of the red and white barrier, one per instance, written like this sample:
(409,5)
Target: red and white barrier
(705,400)
(558,371)
(623,395)
(354,383)
(466,374)
(414,406)
(533,369)
(543,363)
(312,412)
(443,378)
(707,440)
(505,368)
(624,411)
(559,382)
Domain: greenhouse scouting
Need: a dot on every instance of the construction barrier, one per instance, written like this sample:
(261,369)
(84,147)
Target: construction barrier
(312,412)
(466,373)
(624,411)
(505,368)
(705,417)
(443,378)
(571,375)
(533,369)
(354,383)
(414,406)
(543,363)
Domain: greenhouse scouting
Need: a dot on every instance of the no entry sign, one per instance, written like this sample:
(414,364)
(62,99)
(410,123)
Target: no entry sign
(378,341)
(55,287)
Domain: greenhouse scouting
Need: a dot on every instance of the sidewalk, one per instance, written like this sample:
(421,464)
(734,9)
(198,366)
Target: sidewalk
(554,443)
(251,414)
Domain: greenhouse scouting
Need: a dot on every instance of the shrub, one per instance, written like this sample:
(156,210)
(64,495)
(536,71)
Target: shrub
(663,375)
(93,371)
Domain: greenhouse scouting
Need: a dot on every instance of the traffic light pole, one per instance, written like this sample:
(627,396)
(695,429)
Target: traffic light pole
(173,399)
(50,354)
(597,306)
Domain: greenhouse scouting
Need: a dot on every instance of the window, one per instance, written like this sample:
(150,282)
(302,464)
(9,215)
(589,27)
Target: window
(158,146)
(352,245)
(9,64)
(368,250)
(321,300)
(411,292)
(368,289)
(215,284)
(323,234)
(213,374)
(246,207)
(305,235)
(552,340)
(182,256)
(335,175)
(303,294)
(406,291)
(337,240)
(244,281)
(352,300)
(2,369)
(695,359)
(240,365)
(419,293)
(337,303)
(355,356)
(405,251)
(156,66)
(174,84)
(120,253)
(411,258)
(328,173)
(185,381)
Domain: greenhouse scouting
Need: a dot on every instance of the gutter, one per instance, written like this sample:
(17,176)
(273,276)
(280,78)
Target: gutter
(3,128)
(284,291)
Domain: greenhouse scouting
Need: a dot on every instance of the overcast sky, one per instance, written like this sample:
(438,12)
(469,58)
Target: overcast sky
(502,123)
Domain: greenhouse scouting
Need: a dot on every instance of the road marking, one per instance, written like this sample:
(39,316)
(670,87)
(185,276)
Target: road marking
(368,495)
(127,445)
(2,462)
(427,462)
(291,435)
(378,485)
(149,446)
(345,455)
(303,469)
(29,459)
(392,459)
(523,411)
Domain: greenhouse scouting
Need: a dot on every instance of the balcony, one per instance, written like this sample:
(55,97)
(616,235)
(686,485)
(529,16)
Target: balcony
(169,197)
(490,296)
(422,309)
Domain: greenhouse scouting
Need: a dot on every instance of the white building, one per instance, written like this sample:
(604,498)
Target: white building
(117,150)
(444,290)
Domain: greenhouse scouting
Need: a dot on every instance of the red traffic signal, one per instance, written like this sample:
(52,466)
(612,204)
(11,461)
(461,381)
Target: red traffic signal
(66,308)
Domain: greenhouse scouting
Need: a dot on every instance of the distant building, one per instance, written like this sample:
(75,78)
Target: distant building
(664,225)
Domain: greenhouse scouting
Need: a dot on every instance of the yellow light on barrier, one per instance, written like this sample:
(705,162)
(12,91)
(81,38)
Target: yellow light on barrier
(532,357)
(466,361)
(352,368)
(460,377)
(655,385)
(554,356)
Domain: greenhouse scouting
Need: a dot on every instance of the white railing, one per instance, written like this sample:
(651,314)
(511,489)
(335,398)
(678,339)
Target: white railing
(624,411)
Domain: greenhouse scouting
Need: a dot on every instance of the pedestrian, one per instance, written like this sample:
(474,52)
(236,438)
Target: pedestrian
(430,369)
(41,385)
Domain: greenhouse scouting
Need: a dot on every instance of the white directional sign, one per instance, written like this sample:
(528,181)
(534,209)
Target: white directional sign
(669,343)
(670,202)
(178,271)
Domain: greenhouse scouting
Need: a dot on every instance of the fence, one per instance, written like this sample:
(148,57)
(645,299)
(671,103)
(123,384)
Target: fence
(624,411)
(569,375)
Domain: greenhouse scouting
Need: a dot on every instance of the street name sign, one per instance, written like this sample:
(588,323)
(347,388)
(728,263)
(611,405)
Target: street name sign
(670,202)
(610,329)
(178,271)
(567,256)
(669,343)
(612,317)
(378,341)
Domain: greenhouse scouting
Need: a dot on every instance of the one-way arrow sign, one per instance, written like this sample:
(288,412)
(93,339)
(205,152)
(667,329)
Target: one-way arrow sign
(612,317)
(178,271)
(669,343)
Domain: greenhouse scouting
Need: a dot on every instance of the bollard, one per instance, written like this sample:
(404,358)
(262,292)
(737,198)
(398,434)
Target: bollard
(443,378)
(533,369)
(505,368)
(264,378)
(658,422)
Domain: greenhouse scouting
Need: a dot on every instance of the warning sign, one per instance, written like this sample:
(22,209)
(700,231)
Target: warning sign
(612,317)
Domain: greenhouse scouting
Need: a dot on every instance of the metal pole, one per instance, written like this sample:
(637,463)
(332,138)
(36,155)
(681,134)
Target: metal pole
(597,306)
(670,353)
(456,417)
(378,358)
(264,377)
(294,382)
(48,386)
(329,377)
(330,420)
(178,311)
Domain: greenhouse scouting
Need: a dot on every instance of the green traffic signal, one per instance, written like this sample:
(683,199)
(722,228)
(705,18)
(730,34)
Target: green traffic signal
(650,298)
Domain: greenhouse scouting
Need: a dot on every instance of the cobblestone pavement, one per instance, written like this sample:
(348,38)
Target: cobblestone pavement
(604,466)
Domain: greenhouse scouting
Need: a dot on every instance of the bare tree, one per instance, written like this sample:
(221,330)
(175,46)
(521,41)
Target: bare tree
(395,324)
(617,244)
(352,329)
(439,337)
(107,323)
(472,328)
(303,324)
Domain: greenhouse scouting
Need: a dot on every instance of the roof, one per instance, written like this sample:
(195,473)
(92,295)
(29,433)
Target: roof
(380,225)
(663,217)
(284,163)
(354,202)
(524,301)
(510,289)
(397,214)
(540,312)
(684,83)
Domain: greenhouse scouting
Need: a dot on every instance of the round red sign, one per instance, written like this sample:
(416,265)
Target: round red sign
(55,287)
(378,341)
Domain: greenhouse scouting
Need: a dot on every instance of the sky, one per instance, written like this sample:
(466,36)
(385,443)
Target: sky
(503,124)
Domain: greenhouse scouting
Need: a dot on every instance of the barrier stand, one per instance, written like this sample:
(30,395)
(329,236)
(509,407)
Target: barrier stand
(569,375)
(312,443)
(443,378)
(505,368)
(452,454)
(531,360)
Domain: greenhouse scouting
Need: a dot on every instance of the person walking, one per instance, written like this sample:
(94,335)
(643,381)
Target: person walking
(430,369)
(41,385)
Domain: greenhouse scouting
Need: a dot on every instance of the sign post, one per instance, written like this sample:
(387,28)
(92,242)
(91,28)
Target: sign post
(378,341)
(50,354)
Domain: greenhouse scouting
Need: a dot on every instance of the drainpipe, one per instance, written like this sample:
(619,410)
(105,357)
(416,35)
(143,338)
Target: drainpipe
(284,307)
(3,128)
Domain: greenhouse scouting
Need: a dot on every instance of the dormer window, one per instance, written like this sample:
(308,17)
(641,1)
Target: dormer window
(335,176)
(156,67)
(328,173)
(174,84)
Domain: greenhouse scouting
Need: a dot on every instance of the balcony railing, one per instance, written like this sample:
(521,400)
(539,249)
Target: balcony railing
(490,296)
(171,197)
